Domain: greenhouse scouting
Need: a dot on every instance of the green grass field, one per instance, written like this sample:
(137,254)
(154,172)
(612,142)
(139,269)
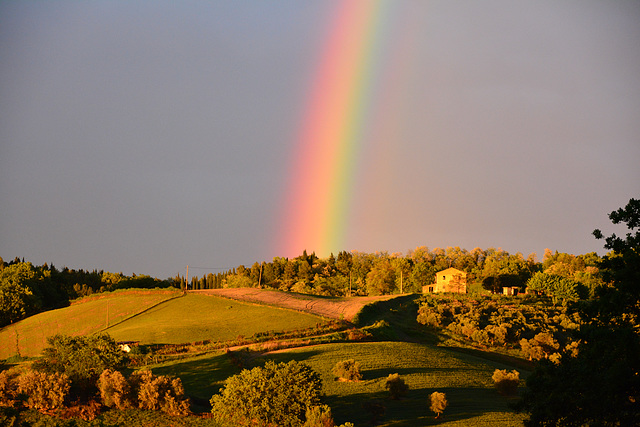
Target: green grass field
(196,317)
(83,317)
(150,317)
(465,379)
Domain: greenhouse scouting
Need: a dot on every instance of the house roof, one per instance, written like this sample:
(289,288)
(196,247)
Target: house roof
(452,270)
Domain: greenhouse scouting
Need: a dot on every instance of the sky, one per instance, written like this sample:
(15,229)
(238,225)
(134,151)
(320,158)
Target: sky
(145,136)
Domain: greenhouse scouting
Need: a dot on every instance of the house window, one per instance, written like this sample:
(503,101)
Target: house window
(444,277)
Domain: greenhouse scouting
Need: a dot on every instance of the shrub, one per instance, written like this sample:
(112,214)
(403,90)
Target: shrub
(160,393)
(348,370)
(87,411)
(7,388)
(276,394)
(396,386)
(438,402)
(43,391)
(82,359)
(319,416)
(115,390)
(506,382)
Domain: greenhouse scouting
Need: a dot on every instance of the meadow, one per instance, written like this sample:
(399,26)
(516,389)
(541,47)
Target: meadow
(84,316)
(464,378)
(198,317)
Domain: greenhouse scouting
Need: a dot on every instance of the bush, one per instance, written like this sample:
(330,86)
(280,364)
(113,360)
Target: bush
(506,382)
(7,388)
(43,391)
(396,386)
(319,416)
(82,359)
(143,390)
(276,394)
(160,393)
(115,390)
(438,402)
(348,370)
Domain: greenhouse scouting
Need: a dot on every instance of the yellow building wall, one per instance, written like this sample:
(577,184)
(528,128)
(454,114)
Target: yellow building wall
(449,280)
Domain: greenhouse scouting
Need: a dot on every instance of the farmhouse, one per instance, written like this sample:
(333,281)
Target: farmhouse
(449,280)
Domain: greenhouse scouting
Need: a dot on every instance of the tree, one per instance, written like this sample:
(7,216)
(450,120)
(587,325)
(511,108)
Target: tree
(506,382)
(81,358)
(396,386)
(16,295)
(599,385)
(499,269)
(438,402)
(402,269)
(348,370)
(557,287)
(422,274)
(381,279)
(276,394)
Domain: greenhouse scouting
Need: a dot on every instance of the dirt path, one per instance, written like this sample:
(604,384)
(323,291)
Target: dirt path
(332,308)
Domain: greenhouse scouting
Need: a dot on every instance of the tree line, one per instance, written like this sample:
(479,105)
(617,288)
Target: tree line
(26,289)
(561,276)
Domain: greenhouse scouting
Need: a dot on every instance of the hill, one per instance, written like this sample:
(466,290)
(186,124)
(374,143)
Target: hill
(83,317)
(465,379)
(198,317)
(150,317)
(337,308)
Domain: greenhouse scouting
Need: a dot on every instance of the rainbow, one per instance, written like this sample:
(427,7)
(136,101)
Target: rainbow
(325,161)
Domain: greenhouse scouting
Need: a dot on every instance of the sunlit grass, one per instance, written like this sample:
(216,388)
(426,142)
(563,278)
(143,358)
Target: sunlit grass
(197,317)
(85,316)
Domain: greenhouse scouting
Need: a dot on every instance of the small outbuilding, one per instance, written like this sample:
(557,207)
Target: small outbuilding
(510,290)
(127,346)
(449,280)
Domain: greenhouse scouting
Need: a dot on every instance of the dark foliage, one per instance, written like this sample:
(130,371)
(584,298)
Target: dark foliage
(601,384)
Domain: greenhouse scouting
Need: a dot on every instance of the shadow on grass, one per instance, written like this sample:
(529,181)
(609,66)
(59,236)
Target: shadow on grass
(494,357)
(202,377)
(465,404)
(298,356)
(382,373)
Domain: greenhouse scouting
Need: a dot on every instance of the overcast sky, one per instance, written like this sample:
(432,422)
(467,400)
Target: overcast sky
(145,136)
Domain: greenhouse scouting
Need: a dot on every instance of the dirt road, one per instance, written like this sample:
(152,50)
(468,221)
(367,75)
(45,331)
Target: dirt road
(332,308)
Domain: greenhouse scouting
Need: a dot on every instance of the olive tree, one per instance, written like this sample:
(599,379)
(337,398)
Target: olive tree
(276,394)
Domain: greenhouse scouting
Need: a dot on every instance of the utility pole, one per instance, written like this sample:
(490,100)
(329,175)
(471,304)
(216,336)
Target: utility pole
(186,281)
(401,281)
(349,282)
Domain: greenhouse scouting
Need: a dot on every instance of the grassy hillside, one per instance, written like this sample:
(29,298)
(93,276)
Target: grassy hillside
(465,379)
(150,317)
(197,317)
(84,316)
(168,317)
